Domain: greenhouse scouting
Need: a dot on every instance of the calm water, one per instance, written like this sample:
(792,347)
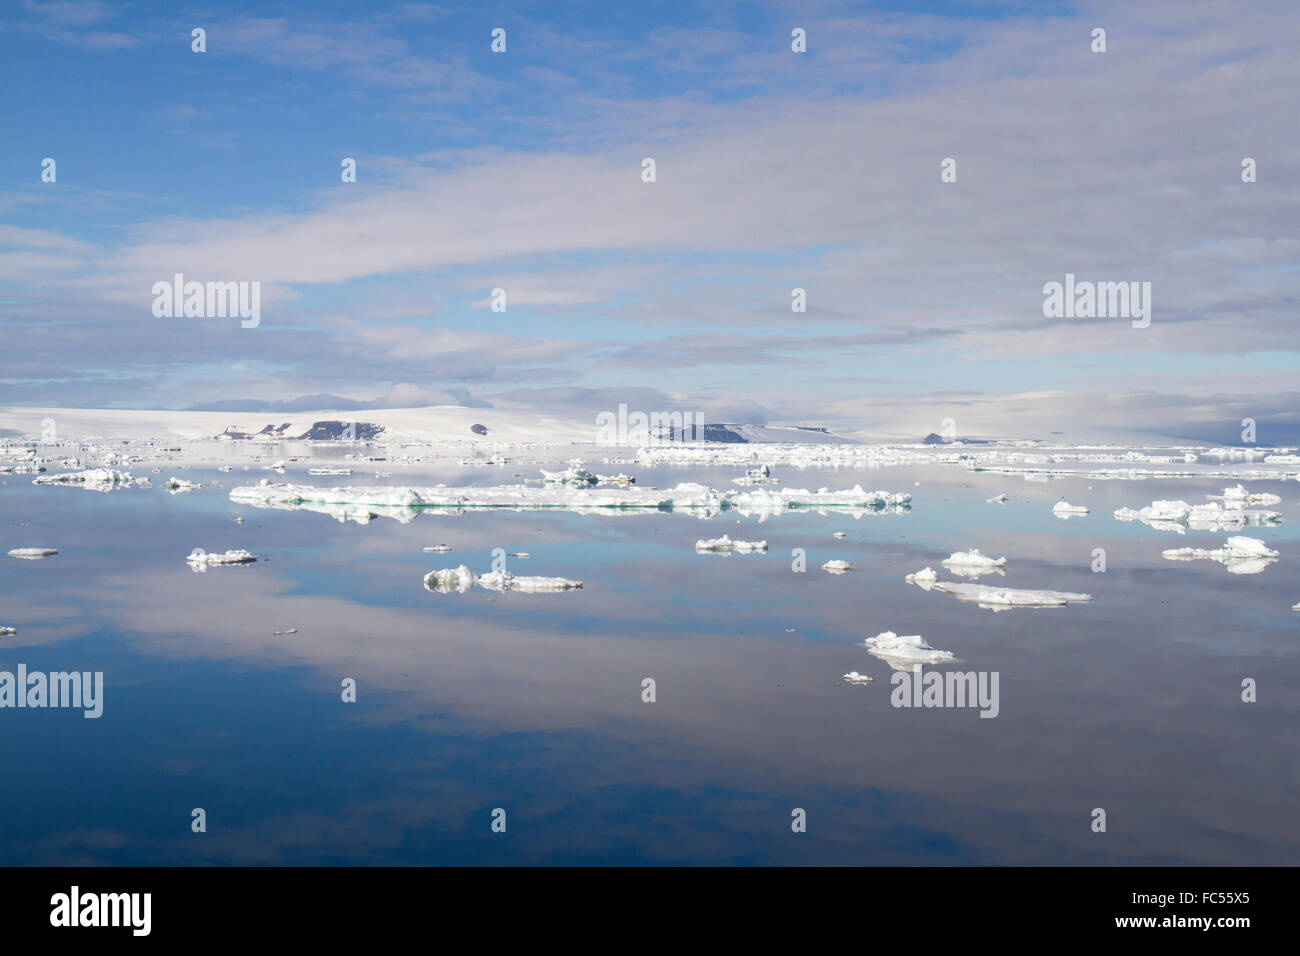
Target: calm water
(532,703)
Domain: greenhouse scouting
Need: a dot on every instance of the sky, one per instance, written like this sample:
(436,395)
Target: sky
(775,170)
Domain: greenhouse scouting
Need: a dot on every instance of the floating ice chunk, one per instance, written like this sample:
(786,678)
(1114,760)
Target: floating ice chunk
(973,559)
(853,677)
(518,554)
(1237,496)
(329,471)
(924,578)
(96,479)
(176,485)
(461,579)
(31,553)
(727,544)
(505,581)
(202,559)
(997,499)
(836,566)
(292,630)
(1156,511)
(570,476)
(1063,509)
(1239,554)
(906,649)
(1295,607)
(996,598)
(619,479)
(8,631)
(438,548)
(837,534)
(450,579)
(362,503)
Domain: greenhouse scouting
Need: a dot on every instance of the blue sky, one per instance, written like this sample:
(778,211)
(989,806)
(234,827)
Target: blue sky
(775,170)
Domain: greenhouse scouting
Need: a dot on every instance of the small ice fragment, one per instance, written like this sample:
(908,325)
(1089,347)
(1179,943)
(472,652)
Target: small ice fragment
(450,579)
(1064,509)
(239,519)
(853,677)
(31,553)
(837,534)
(836,566)
(176,485)
(8,631)
(438,549)
(292,630)
(518,554)
(997,499)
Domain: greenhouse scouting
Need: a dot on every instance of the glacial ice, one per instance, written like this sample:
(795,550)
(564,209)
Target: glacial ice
(905,649)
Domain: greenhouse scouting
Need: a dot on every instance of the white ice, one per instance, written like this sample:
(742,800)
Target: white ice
(30,553)
(907,649)
(726,544)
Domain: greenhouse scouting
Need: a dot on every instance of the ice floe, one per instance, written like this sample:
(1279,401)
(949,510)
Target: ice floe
(995,598)
(8,631)
(31,553)
(570,476)
(1063,509)
(201,559)
(901,651)
(1239,554)
(997,499)
(438,549)
(836,566)
(176,485)
(853,677)
(363,503)
(461,579)
(726,544)
(1174,515)
(972,559)
(95,479)
(924,578)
